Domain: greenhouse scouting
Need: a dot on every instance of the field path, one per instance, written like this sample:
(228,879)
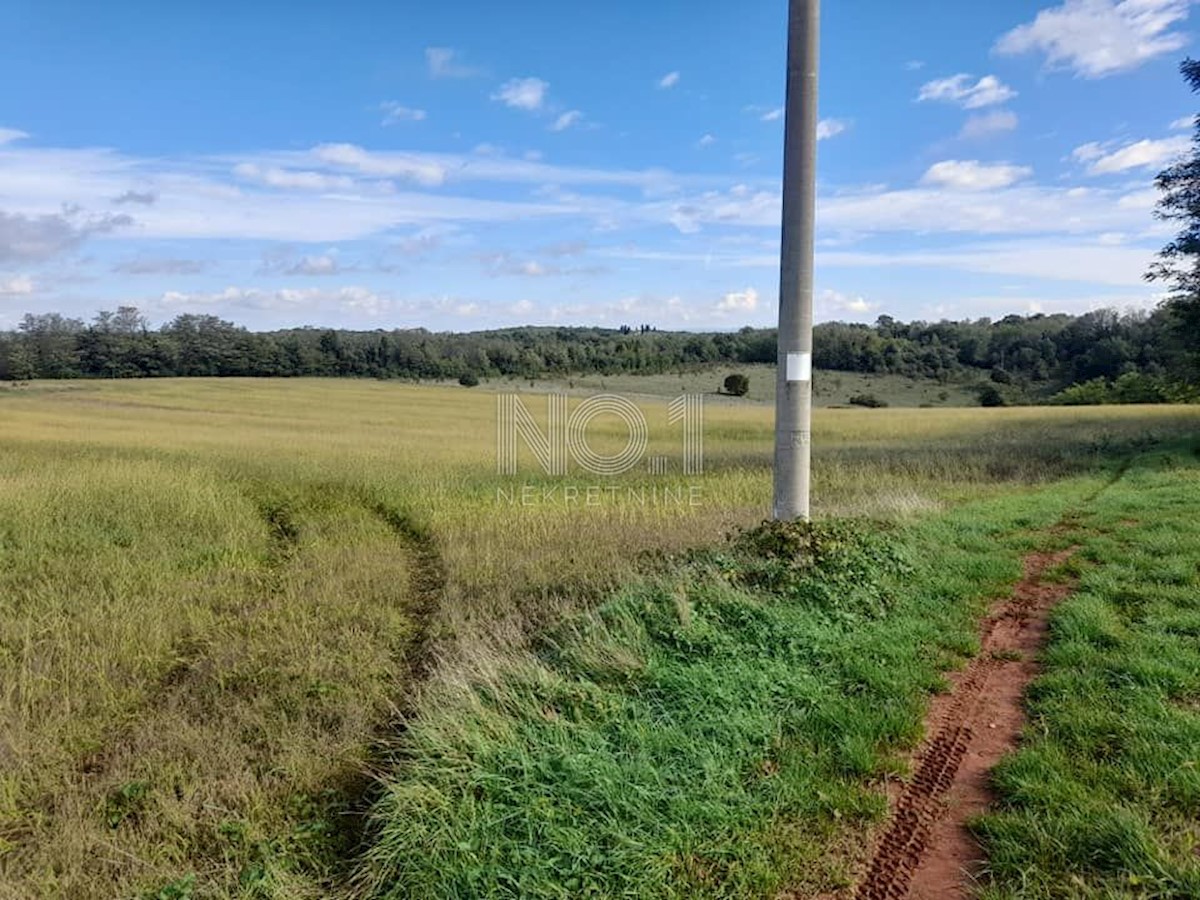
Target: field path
(927,853)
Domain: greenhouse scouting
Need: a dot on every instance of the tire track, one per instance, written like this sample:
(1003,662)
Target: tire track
(927,852)
(427,586)
(926,847)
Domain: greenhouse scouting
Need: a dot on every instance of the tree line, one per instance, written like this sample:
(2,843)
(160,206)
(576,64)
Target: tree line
(1101,356)
(1040,354)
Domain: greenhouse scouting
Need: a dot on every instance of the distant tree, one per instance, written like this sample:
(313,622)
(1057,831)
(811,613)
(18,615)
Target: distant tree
(19,363)
(989,395)
(737,384)
(469,379)
(1179,262)
(1001,376)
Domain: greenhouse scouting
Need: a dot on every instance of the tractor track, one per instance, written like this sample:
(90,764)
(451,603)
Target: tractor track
(926,851)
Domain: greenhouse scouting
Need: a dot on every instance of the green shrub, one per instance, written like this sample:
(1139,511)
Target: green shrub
(737,384)
(870,401)
(469,380)
(989,395)
(836,565)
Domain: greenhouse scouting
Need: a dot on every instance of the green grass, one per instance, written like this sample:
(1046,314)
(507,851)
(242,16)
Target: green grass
(219,597)
(721,731)
(829,388)
(1103,800)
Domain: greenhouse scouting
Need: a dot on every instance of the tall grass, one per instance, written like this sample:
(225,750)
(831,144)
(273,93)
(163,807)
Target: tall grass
(212,594)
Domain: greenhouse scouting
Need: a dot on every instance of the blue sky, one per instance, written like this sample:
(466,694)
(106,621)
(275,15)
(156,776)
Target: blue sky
(460,165)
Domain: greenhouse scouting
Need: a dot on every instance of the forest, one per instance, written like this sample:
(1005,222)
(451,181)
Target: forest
(1036,355)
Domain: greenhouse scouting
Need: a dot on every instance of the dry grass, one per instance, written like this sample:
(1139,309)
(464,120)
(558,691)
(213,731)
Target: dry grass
(211,592)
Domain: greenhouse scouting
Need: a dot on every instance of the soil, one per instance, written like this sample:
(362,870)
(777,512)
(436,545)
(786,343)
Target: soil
(927,851)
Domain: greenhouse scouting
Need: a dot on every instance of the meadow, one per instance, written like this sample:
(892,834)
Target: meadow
(229,607)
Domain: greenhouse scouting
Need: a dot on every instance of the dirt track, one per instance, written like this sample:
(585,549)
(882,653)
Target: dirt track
(927,853)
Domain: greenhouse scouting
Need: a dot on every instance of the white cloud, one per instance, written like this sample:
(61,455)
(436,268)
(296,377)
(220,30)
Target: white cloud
(668,81)
(528,94)
(297,301)
(706,141)
(1187,123)
(987,124)
(914,65)
(831,302)
(394,112)
(40,237)
(566,120)
(1096,38)
(17,285)
(1146,154)
(393,165)
(443,63)
(773,115)
(972,175)
(314,265)
(300,179)
(8,135)
(959,89)
(1053,260)
(739,301)
(831,128)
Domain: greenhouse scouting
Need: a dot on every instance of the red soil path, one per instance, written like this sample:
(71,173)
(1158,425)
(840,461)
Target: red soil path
(927,853)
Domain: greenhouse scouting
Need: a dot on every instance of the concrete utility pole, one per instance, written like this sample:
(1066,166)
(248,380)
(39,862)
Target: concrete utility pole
(793,397)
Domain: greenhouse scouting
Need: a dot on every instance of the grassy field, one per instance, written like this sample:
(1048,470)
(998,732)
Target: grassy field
(829,388)
(218,598)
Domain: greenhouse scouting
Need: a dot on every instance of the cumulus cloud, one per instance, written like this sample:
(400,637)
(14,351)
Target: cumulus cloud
(528,94)
(972,175)
(566,120)
(1187,123)
(8,135)
(963,91)
(36,238)
(831,303)
(443,62)
(831,128)
(987,124)
(706,141)
(739,301)
(17,285)
(284,261)
(394,113)
(668,81)
(773,115)
(1097,38)
(1103,159)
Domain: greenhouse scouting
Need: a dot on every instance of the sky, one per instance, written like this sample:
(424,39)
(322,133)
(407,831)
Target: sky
(465,165)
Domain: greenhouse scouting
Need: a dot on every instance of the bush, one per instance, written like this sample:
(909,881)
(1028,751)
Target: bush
(870,401)
(837,565)
(989,395)
(469,380)
(738,385)
(1132,387)
(1000,376)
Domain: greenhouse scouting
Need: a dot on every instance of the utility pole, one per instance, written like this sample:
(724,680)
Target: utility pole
(793,395)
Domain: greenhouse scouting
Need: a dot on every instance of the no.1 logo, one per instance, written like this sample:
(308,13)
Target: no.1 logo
(566,435)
